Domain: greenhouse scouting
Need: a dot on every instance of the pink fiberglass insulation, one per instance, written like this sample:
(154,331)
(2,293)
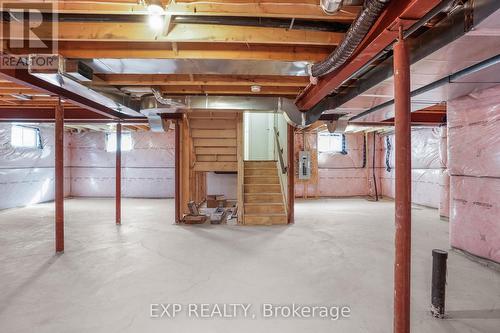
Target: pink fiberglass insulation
(339,175)
(473,134)
(474,165)
(148,169)
(428,166)
(475,216)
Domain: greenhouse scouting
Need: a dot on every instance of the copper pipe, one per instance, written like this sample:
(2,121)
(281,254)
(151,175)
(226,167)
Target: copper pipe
(118,167)
(402,264)
(59,176)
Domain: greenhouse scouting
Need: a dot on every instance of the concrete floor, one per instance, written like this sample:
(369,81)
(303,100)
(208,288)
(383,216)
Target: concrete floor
(339,252)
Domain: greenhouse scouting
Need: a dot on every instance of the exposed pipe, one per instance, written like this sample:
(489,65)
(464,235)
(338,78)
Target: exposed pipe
(418,51)
(402,261)
(357,31)
(373,166)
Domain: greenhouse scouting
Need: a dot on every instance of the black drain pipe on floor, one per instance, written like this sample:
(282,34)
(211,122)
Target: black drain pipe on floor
(439,258)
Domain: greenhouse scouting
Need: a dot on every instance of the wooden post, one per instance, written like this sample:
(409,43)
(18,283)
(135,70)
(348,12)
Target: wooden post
(402,264)
(59,177)
(118,169)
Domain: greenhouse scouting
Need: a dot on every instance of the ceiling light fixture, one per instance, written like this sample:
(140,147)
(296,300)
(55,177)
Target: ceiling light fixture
(156,14)
(22,97)
(255,89)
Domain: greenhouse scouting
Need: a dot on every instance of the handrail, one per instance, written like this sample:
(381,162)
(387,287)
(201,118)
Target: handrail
(284,169)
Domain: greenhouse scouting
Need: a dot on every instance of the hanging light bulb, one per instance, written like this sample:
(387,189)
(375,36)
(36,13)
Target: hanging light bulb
(156,14)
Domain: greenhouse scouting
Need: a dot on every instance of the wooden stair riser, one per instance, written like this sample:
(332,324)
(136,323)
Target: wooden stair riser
(262,180)
(254,188)
(263,198)
(265,220)
(264,209)
(261,172)
(260,164)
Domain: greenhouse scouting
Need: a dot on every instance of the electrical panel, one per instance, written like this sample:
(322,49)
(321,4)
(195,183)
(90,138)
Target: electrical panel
(304,165)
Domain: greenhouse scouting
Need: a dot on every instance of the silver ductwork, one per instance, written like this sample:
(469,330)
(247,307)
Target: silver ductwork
(67,74)
(198,66)
(333,6)
(153,108)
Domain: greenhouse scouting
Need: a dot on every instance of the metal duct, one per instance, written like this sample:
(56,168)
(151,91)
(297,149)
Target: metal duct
(333,6)
(152,108)
(52,69)
(358,30)
(198,66)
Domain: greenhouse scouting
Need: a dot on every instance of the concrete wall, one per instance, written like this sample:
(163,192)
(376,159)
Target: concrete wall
(474,167)
(27,174)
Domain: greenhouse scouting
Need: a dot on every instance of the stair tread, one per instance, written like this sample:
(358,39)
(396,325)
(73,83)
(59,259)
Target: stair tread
(264,203)
(265,214)
(259,193)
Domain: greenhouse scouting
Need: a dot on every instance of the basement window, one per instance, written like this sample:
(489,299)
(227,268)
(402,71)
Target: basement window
(331,143)
(25,137)
(111,142)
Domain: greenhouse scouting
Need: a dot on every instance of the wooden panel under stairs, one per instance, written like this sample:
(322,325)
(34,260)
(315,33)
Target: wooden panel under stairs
(214,140)
(264,203)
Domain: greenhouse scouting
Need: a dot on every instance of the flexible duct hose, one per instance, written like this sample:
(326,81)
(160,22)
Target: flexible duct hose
(358,30)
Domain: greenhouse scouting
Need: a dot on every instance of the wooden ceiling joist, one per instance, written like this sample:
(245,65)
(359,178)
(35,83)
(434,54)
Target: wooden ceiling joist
(199,33)
(308,9)
(200,80)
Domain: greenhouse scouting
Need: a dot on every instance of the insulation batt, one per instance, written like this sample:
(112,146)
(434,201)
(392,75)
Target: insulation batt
(474,165)
(428,158)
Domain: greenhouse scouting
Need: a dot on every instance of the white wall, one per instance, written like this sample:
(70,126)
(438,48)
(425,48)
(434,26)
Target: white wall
(225,184)
(148,170)
(258,136)
(27,174)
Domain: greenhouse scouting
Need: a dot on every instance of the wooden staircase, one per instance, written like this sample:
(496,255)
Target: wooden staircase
(264,203)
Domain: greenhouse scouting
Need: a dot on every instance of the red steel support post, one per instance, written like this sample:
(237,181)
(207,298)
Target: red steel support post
(59,177)
(402,264)
(118,193)
(291,173)
(177,171)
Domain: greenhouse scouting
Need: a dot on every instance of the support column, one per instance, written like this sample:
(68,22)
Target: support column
(118,193)
(177,193)
(291,173)
(59,177)
(402,264)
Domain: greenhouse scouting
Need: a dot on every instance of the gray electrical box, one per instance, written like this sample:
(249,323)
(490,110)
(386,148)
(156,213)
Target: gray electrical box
(304,165)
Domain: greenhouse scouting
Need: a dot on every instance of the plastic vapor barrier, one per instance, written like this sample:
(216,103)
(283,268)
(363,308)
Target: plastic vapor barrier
(428,166)
(148,170)
(27,174)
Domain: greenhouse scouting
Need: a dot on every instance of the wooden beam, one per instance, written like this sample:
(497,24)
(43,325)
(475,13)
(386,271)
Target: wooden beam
(229,90)
(199,80)
(200,33)
(215,166)
(308,9)
(186,50)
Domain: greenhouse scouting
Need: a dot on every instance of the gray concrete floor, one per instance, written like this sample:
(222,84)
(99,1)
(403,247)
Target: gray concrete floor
(339,252)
